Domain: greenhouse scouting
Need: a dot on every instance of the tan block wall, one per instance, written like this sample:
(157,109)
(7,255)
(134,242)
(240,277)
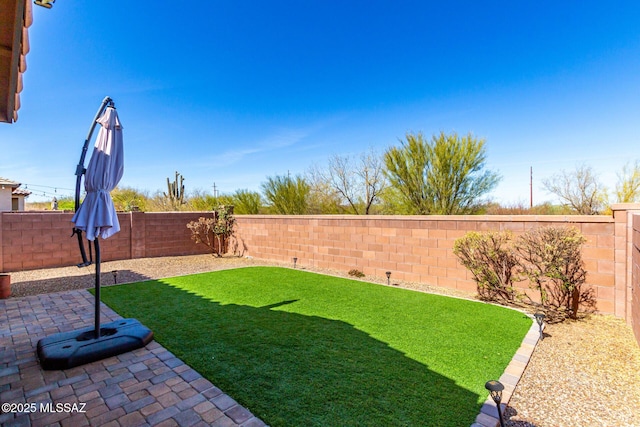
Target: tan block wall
(417,248)
(413,248)
(635,282)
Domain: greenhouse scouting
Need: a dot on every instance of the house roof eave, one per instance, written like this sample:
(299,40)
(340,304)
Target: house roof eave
(15,18)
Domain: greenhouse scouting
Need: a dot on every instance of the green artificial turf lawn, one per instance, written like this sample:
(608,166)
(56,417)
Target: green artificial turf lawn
(299,348)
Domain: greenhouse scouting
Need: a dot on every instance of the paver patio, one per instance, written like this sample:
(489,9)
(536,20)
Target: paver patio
(145,387)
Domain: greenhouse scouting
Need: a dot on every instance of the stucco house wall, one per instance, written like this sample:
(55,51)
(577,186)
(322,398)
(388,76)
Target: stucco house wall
(5,198)
(12,197)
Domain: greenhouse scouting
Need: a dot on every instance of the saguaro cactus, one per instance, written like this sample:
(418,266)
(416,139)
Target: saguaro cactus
(175,190)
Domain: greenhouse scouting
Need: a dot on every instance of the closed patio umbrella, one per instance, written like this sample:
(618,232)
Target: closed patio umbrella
(96,216)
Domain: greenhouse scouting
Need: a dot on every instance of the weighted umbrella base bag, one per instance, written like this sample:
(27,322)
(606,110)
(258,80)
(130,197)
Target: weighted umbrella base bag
(69,349)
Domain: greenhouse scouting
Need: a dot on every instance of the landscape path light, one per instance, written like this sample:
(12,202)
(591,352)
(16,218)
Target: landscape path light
(495,390)
(388,273)
(115,277)
(540,319)
(295,260)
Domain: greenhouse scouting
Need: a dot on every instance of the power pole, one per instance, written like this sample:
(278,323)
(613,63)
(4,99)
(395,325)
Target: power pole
(531,187)
(215,191)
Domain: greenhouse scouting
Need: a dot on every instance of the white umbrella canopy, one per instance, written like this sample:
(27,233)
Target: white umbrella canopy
(97,214)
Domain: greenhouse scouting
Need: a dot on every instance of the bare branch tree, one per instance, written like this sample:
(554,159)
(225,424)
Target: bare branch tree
(371,173)
(342,178)
(580,190)
(354,182)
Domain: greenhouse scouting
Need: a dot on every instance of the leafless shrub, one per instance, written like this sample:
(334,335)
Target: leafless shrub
(552,260)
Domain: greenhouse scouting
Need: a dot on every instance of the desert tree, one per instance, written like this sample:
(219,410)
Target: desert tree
(287,195)
(246,202)
(128,199)
(323,199)
(160,203)
(445,175)
(371,178)
(628,185)
(356,181)
(579,190)
(200,200)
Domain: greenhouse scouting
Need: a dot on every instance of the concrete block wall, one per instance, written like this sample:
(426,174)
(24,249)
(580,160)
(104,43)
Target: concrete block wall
(413,248)
(34,240)
(37,240)
(164,233)
(418,248)
(635,274)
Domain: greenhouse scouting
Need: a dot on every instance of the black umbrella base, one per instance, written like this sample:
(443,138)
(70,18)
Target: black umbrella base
(74,348)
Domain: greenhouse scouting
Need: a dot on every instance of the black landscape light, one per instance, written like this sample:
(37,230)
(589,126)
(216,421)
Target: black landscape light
(388,273)
(115,277)
(295,260)
(45,3)
(540,319)
(495,389)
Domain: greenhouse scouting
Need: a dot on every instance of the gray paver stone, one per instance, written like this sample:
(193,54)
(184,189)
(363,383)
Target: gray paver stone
(20,421)
(191,402)
(117,401)
(238,414)
(223,402)
(254,422)
(162,415)
(223,421)
(187,418)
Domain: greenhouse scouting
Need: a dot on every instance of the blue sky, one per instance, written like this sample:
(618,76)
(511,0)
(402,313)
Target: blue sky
(233,92)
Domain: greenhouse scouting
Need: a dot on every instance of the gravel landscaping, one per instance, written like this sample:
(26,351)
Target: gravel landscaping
(584,373)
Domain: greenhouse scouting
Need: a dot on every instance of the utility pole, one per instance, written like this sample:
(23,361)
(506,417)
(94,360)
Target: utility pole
(215,191)
(531,187)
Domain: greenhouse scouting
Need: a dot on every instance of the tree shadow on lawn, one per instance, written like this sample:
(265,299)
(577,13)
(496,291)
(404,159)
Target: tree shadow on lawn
(291,369)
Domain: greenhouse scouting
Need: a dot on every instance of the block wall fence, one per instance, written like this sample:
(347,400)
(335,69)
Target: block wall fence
(413,248)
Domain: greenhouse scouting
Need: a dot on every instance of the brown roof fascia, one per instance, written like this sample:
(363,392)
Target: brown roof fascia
(22,20)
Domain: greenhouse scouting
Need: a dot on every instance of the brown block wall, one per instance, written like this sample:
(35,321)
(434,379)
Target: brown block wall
(33,240)
(166,233)
(37,240)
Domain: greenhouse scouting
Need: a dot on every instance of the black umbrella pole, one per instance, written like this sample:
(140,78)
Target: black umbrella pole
(97,245)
